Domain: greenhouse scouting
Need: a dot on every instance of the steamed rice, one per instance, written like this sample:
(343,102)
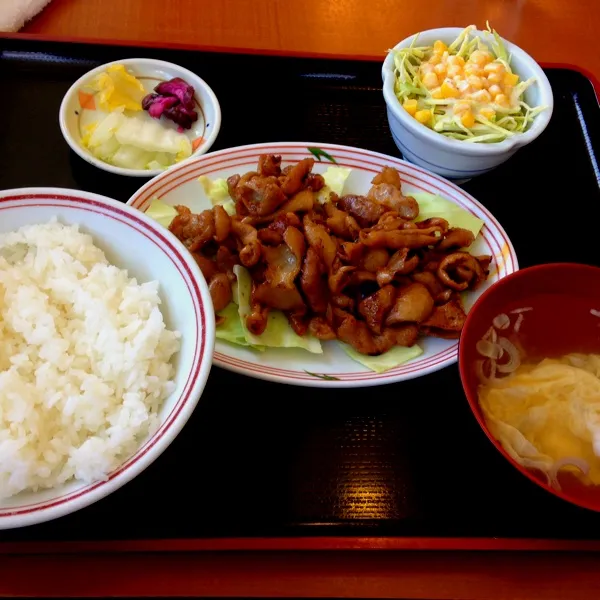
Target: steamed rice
(84,359)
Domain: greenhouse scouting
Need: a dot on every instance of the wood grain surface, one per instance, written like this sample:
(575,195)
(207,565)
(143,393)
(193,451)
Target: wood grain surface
(553,31)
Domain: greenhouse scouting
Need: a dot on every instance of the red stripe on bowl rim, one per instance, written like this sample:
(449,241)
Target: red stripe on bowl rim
(113,212)
(495,238)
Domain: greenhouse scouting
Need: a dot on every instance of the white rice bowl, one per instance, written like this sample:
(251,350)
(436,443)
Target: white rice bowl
(95,378)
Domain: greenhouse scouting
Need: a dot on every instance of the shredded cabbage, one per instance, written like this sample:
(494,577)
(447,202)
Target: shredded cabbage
(218,193)
(507,121)
(161,212)
(335,180)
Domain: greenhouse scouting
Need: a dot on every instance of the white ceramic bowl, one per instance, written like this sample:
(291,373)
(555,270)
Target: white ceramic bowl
(450,158)
(73,116)
(132,241)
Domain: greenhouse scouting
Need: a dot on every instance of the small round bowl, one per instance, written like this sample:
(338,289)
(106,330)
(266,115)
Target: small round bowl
(560,296)
(149,252)
(450,158)
(73,116)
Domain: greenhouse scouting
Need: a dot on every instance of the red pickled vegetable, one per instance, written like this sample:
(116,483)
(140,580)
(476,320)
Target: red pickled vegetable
(175,100)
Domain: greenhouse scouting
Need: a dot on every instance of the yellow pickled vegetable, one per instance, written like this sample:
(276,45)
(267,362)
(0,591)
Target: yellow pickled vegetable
(118,89)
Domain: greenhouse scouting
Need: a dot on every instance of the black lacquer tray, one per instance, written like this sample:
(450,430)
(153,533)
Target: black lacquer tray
(262,465)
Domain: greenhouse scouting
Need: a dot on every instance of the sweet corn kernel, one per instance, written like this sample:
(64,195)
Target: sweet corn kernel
(454,70)
(480,57)
(502,100)
(456,61)
(508,90)
(475,82)
(423,116)
(463,87)
(468,120)
(410,106)
(430,81)
(437,94)
(510,79)
(494,78)
(494,90)
(472,69)
(439,47)
(486,83)
(495,67)
(449,90)
(426,68)
(487,112)
(482,96)
(461,107)
(440,70)
(435,59)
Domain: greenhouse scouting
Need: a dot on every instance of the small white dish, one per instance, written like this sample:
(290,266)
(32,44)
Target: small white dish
(149,252)
(450,158)
(73,117)
(333,368)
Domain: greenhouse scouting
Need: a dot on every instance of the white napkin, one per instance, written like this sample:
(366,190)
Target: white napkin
(15,13)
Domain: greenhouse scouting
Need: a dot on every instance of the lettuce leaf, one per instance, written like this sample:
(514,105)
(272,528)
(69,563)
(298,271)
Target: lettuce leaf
(218,193)
(431,205)
(335,179)
(384,362)
(231,330)
(161,211)
(279,333)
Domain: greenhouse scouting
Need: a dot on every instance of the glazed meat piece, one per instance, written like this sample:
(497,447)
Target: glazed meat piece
(194,230)
(375,307)
(261,195)
(460,271)
(279,298)
(356,333)
(294,179)
(320,241)
(375,259)
(446,320)
(391,198)
(269,165)
(250,251)
(257,320)
(341,223)
(207,266)
(365,211)
(388,175)
(403,238)
(314,282)
(222,224)
(413,304)
(402,262)
(456,238)
(321,329)
(220,291)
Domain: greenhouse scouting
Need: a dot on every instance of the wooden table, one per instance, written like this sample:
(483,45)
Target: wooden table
(553,31)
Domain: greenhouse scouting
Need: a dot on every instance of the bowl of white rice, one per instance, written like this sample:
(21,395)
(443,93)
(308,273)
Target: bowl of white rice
(106,342)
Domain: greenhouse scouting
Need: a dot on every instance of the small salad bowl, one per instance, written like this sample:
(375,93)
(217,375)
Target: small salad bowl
(80,114)
(453,158)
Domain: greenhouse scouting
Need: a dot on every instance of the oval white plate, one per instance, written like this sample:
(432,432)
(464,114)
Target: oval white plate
(333,368)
